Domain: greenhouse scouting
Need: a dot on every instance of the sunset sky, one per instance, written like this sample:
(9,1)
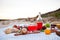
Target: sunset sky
(12,9)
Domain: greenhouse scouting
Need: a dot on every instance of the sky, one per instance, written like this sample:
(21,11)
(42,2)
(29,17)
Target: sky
(12,9)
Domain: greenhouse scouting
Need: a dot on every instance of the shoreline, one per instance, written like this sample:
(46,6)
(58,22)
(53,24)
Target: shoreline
(22,22)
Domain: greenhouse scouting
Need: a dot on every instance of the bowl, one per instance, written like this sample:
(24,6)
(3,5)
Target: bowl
(58,26)
(58,32)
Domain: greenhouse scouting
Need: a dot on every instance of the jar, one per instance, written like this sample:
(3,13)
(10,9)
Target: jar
(39,25)
(53,27)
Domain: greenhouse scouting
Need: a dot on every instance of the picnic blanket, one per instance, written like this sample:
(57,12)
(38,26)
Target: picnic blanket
(38,36)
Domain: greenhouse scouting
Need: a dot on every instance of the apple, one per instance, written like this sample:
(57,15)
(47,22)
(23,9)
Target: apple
(47,25)
(15,26)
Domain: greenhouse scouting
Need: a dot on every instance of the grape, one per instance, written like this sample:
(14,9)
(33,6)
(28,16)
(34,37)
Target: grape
(43,28)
